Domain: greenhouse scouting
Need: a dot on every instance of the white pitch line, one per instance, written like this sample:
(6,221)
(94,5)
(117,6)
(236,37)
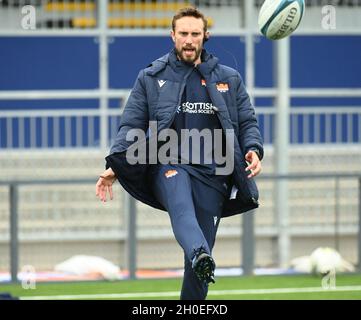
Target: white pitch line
(105,296)
(176,293)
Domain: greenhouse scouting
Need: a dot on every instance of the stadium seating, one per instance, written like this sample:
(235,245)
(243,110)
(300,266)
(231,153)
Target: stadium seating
(122,14)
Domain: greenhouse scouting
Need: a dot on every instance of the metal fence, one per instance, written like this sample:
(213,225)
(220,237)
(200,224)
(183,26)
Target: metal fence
(39,129)
(343,223)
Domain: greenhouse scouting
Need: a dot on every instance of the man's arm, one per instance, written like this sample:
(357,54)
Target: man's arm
(135,115)
(249,135)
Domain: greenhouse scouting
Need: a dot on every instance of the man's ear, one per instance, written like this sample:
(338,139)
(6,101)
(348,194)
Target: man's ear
(206,37)
(172,35)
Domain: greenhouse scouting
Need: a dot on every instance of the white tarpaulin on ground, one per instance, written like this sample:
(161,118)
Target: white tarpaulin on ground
(322,260)
(85,265)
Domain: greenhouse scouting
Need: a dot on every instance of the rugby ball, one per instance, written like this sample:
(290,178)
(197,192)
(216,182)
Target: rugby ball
(277,19)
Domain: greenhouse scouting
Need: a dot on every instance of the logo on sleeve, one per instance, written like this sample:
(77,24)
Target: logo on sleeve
(171,173)
(222,87)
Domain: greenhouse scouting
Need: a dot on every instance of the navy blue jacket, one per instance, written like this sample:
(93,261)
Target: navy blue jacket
(149,101)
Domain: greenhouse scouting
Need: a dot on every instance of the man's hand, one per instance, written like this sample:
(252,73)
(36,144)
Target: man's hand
(104,185)
(254,164)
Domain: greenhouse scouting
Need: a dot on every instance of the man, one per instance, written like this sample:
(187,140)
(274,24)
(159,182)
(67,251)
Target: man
(188,89)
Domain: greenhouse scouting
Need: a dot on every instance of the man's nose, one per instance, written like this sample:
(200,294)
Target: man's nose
(189,39)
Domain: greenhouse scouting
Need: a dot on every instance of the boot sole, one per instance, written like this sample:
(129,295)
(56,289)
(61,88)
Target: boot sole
(204,268)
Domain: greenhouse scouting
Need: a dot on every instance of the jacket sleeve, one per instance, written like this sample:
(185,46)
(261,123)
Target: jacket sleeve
(249,135)
(135,115)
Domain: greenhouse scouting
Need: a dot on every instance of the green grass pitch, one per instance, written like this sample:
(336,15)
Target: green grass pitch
(279,287)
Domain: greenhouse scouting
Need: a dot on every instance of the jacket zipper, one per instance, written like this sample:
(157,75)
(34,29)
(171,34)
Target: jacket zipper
(180,97)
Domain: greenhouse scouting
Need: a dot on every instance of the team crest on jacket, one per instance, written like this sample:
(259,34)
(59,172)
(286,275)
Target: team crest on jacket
(222,87)
(171,173)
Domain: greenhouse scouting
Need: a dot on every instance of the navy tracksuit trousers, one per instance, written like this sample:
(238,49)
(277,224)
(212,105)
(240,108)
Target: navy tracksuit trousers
(195,210)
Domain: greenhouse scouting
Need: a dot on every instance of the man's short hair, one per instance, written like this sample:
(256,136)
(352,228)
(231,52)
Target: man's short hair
(189,12)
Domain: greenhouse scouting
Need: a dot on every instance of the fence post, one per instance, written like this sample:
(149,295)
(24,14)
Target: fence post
(14,242)
(248,247)
(103,72)
(337,214)
(359,224)
(131,241)
(281,147)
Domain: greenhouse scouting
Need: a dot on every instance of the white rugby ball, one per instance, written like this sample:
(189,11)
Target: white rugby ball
(277,19)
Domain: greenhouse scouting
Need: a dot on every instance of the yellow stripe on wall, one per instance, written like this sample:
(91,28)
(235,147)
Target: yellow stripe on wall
(154,6)
(69,6)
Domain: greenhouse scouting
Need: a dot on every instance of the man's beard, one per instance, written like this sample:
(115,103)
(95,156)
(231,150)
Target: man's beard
(180,54)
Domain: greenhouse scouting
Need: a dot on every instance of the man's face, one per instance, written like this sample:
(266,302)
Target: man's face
(188,39)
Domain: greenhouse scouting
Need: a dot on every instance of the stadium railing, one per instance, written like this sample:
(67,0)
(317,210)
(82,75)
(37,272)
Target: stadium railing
(316,125)
(248,226)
